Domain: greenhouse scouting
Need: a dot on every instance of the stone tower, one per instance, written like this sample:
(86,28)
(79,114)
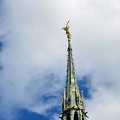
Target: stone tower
(72,99)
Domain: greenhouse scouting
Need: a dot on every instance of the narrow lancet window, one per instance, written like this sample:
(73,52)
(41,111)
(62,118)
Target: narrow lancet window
(75,116)
(68,116)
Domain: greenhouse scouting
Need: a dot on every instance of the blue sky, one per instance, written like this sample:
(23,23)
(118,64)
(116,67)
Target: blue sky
(23,114)
(33,54)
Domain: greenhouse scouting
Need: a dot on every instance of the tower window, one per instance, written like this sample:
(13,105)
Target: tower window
(75,116)
(68,116)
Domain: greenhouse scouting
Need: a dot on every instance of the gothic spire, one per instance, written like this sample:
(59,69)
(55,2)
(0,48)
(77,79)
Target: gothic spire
(72,101)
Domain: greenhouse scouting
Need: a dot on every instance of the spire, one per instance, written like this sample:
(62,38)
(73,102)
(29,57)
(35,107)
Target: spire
(72,101)
(82,96)
(71,77)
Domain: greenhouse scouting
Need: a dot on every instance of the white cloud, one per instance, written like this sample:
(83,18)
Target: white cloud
(36,48)
(55,117)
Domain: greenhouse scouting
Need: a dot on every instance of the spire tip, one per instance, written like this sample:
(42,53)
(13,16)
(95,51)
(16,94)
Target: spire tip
(67,30)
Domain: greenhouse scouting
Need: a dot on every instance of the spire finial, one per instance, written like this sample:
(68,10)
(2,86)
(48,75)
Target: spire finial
(67,30)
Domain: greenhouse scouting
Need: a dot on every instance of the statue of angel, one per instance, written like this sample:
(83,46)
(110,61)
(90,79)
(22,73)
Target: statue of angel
(67,30)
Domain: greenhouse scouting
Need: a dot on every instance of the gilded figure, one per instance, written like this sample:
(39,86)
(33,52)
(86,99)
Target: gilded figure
(67,30)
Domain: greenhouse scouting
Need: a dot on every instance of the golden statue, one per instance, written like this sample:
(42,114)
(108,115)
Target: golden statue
(67,30)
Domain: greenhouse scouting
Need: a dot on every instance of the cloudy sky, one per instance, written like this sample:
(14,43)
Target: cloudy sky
(33,54)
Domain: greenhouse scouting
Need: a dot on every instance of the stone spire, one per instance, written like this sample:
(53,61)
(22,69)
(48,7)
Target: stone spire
(72,101)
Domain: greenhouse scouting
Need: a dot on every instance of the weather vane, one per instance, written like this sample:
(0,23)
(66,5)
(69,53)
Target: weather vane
(67,30)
